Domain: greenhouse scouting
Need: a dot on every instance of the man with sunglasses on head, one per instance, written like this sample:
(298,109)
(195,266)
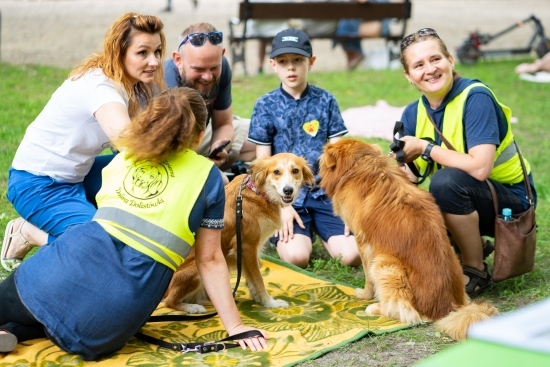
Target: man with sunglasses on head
(199,63)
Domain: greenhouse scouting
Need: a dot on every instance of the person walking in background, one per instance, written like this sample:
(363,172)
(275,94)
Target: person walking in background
(477,125)
(56,171)
(96,285)
(301,118)
(199,63)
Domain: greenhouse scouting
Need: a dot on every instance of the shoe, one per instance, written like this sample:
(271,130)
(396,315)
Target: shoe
(11,263)
(480,280)
(8,342)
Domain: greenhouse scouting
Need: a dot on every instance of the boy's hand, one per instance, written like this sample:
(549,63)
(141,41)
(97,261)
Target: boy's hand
(288,216)
(346,230)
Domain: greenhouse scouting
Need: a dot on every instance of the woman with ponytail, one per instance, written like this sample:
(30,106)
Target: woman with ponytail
(96,285)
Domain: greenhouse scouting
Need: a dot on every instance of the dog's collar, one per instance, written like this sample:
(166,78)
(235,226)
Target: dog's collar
(250,184)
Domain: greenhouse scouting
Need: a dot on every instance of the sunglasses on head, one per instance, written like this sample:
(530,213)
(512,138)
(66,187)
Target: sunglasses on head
(198,39)
(421,33)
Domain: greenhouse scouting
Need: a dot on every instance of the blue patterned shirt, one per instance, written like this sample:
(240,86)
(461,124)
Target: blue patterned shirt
(301,126)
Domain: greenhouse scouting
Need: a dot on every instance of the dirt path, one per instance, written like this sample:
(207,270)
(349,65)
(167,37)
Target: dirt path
(63,32)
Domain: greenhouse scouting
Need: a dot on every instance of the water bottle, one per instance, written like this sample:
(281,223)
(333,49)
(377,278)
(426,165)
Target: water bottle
(507,214)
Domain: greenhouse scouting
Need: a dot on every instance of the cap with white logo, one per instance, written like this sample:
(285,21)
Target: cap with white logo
(291,41)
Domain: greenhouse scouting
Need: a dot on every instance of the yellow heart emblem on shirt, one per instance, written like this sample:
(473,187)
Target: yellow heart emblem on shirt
(311,127)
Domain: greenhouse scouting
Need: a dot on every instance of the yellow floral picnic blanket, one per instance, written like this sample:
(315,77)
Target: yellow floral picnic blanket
(322,316)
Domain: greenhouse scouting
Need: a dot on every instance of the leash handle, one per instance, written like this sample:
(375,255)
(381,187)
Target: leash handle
(397,145)
(244,335)
(167,318)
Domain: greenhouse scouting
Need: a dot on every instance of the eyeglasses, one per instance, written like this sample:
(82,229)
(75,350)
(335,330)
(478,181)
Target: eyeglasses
(421,33)
(198,39)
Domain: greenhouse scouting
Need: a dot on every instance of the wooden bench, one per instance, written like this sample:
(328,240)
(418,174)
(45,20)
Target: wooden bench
(317,10)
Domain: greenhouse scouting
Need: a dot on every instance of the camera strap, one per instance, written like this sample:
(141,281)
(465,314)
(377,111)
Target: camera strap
(397,147)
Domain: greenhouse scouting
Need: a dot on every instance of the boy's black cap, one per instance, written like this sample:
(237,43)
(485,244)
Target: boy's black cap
(291,41)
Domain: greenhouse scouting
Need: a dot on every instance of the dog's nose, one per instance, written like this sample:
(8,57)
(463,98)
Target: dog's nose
(288,190)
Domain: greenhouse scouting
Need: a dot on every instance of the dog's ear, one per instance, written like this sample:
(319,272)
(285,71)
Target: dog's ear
(328,159)
(258,171)
(307,173)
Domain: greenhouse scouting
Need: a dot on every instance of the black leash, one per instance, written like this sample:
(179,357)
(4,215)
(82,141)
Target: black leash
(200,348)
(239,216)
(212,346)
(397,147)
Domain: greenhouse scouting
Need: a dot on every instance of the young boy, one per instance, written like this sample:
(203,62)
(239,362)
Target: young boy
(300,118)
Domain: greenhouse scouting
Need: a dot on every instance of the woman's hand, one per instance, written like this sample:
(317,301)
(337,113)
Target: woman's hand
(478,162)
(255,344)
(414,147)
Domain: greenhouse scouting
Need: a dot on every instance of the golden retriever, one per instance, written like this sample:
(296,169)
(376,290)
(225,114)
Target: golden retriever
(410,266)
(273,182)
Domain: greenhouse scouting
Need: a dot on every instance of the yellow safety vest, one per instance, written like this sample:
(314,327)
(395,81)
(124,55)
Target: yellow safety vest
(147,206)
(506,168)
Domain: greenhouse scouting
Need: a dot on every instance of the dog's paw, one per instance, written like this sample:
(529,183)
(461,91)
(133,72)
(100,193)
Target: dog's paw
(275,303)
(191,308)
(373,309)
(363,294)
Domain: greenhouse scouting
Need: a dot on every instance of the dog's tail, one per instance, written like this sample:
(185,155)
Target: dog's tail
(456,323)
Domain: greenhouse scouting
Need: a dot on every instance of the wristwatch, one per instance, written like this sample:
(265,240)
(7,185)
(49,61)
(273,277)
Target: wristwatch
(426,155)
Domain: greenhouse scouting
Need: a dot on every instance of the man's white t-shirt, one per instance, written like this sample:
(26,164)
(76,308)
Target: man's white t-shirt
(65,138)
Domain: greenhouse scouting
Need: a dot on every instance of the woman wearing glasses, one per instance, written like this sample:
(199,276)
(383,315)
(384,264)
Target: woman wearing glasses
(469,116)
(56,171)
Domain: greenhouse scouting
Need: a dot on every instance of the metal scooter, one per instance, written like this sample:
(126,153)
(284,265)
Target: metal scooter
(469,52)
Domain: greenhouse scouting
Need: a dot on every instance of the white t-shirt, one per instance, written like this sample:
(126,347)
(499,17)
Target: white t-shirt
(65,137)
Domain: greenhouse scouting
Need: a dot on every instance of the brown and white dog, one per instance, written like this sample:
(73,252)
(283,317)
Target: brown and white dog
(410,266)
(273,182)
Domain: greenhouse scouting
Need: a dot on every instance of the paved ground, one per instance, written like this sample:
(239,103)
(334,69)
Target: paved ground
(63,32)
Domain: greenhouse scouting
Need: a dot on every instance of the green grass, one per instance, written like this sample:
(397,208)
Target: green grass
(24,90)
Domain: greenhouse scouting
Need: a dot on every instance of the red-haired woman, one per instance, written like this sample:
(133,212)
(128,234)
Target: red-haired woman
(56,170)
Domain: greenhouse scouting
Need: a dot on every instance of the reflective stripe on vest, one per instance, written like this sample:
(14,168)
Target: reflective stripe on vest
(147,205)
(123,220)
(506,167)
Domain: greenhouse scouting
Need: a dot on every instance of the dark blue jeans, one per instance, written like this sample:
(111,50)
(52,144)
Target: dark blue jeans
(456,192)
(54,206)
(14,316)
